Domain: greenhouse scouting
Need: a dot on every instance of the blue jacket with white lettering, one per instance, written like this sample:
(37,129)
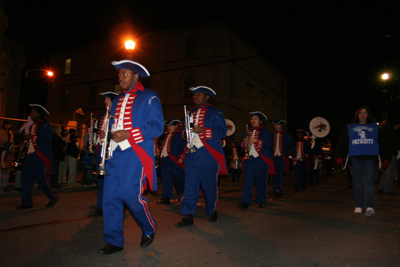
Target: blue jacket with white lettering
(362,140)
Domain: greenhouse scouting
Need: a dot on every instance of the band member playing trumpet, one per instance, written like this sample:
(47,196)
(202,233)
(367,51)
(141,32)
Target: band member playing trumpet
(203,165)
(138,120)
(283,142)
(108,98)
(257,166)
(172,168)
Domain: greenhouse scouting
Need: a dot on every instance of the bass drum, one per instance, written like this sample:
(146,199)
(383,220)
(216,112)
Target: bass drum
(236,164)
(320,127)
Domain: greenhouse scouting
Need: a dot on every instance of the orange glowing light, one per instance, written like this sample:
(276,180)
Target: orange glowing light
(130,45)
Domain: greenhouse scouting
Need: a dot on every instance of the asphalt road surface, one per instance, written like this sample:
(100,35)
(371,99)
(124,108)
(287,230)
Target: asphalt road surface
(315,227)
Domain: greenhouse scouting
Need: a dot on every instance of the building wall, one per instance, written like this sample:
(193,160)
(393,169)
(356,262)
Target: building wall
(12,62)
(210,54)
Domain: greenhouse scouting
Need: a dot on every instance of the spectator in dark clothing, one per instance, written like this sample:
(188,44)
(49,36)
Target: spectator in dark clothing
(73,152)
(90,166)
(58,154)
(388,176)
(62,172)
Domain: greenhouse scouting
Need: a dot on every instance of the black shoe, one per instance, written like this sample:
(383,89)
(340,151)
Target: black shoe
(303,188)
(109,249)
(260,205)
(147,240)
(186,220)
(165,201)
(242,206)
(296,190)
(214,217)
(96,213)
(23,207)
(51,203)
(392,193)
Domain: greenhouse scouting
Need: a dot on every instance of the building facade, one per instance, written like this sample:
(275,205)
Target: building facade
(12,63)
(209,54)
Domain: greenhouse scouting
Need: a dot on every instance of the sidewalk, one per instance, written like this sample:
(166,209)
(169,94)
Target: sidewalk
(315,227)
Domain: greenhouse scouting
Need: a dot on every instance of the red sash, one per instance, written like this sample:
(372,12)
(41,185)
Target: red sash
(146,160)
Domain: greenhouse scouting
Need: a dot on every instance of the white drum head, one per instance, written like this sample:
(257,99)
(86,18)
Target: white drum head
(320,127)
(230,127)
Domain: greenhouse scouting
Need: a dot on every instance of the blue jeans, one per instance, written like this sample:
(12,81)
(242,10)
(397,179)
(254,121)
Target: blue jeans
(363,173)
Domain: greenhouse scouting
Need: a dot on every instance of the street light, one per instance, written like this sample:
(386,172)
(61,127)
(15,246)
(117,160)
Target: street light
(386,76)
(129,46)
(49,73)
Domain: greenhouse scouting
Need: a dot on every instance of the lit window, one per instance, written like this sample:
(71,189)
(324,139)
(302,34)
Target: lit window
(67,66)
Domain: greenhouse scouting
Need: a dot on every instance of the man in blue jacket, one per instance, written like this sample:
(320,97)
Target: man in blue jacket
(137,121)
(203,166)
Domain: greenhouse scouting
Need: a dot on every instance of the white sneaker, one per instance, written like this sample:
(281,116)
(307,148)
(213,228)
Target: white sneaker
(358,210)
(369,212)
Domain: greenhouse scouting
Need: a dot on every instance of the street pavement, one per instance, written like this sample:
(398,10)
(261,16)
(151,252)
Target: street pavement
(315,227)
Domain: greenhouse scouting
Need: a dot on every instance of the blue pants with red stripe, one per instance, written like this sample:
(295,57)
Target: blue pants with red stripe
(280,165)
(201,169)
(172,175)
(255,170)
(34,169)
(124,185)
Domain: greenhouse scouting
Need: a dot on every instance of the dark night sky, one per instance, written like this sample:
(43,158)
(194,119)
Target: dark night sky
(331,54)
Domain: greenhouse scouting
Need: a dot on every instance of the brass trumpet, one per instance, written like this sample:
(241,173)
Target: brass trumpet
(104,144)
(189,132)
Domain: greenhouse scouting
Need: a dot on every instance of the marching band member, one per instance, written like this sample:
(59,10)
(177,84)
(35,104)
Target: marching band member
(172,167)
(257,163)
(108,98)
(39,160)
(203,166)
(138,119)
(301,166)
(283,142)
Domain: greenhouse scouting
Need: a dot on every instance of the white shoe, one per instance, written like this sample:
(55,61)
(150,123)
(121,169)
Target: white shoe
(369,212)
(358,210)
